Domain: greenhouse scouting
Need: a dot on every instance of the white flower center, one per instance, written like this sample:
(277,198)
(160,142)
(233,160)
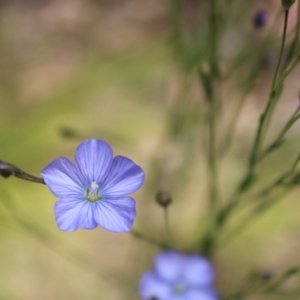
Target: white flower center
(92,193)
(94,185)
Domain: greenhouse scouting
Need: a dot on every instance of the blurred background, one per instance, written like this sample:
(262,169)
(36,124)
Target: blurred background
(125,72)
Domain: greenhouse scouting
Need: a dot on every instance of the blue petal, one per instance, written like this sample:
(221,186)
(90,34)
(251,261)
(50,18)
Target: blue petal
(151,286)
(61,178)
(169,265)
(198,271)
(201,294)
(124,178)
(73,213)
(93,158)
(116,215)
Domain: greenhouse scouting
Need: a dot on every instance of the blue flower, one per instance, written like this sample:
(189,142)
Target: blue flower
(178,277)
(94,191)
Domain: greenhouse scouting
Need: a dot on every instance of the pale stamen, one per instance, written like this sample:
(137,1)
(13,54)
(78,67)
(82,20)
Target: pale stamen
(92,193)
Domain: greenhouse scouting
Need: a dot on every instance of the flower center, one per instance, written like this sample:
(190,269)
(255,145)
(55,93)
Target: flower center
(179,287)
(92,193)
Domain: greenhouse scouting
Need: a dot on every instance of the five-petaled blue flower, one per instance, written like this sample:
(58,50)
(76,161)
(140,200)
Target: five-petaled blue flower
(94,191)
(178,277)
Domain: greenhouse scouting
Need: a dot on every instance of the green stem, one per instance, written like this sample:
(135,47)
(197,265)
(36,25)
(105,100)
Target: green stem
(286,17)
(272,96)
(286,72)
(255,213)
(278,71)
(294,118)
(8,169)
(207,243)
(232,126)
(297,26)
(280,181)
(276,284)
(213,22)
(152,242)
(167,228)
(212,164)
(263,206)
(212,160)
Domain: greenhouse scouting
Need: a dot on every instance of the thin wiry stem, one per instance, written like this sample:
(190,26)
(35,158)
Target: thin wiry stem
(297,26)
(152,242)
(293,119)
(166,225)
(265,115)
(286,72)
(286,17)
(212,163)
(232,126)
(211,82)
(7,170)
(262,206)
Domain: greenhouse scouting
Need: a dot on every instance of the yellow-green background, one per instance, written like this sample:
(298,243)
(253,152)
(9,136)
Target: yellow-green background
(107,70)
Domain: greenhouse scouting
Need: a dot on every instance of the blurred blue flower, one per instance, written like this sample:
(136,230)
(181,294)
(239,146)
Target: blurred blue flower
(260,19)
(178,277)
(94,191)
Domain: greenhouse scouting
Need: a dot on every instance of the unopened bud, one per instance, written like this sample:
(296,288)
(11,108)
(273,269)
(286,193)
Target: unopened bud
(287,4)
(7,169)
(67,132)
(5,172)
(260,19)
(267,275)
(164,199)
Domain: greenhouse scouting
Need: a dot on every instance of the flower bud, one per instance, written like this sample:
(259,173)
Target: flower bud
(260,19)
(67,132)
(267,275)
(287,4)
(5,171)
(164,199)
